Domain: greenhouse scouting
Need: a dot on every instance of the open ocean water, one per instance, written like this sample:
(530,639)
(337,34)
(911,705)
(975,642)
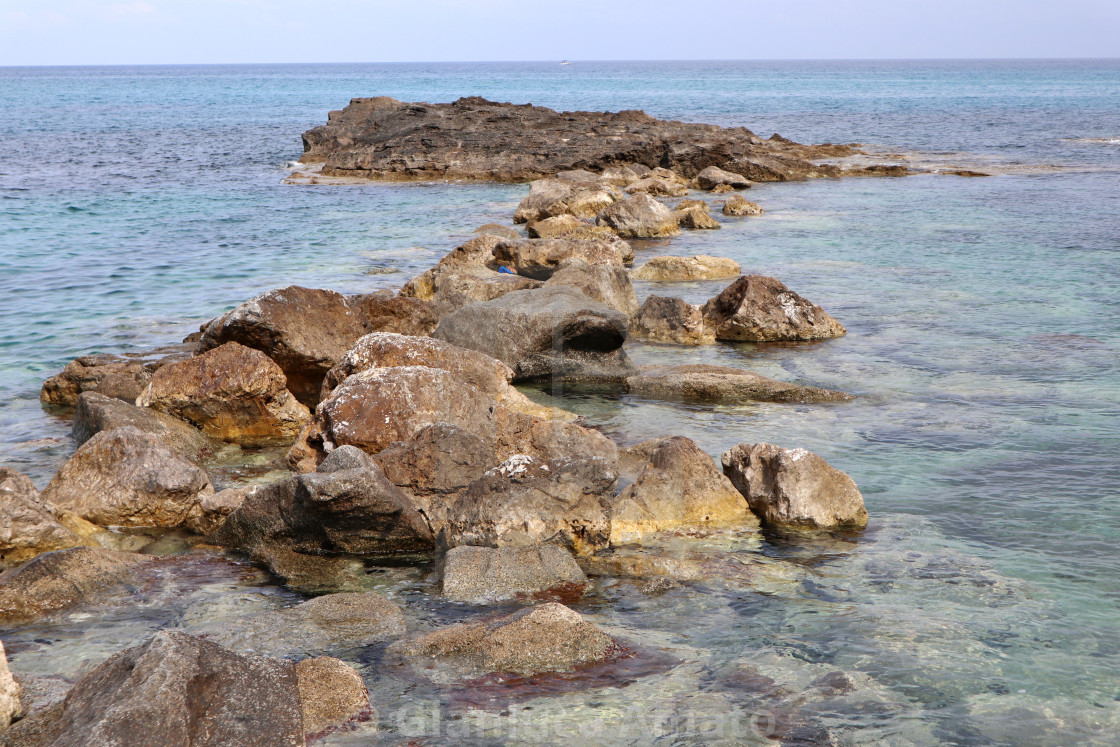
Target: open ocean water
(981,606)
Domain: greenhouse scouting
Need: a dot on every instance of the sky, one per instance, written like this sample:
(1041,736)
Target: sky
(95,32)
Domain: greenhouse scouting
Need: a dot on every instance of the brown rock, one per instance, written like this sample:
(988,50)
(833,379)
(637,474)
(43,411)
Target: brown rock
(609,284)
(700,267)
(96,413)
(690,204)
(657,186)
(540,258)
(713,177)
(670,320)
(756,308)
(639,216)
(497,229)
(737,205)
(696,219)
(549,198)
(331,693)
(125,477)
(553,228)
(27,525)
(722,384)
(794,487)
(10,708)
(214,508)
(119,376)
(680,487)
(483,574)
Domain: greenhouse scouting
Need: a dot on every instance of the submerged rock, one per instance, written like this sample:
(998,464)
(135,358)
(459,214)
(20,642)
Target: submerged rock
(96,413)
(713,177)
(232,393)
(680,487)
(722,384)
(554,331)
(120,376)
(640,217)
(737,205)
(756,308)
(331,693)
(700,267)
(667,319)
(794,487)
(484,574)
(125,477)
(546,638)
(28,526)
(10,708)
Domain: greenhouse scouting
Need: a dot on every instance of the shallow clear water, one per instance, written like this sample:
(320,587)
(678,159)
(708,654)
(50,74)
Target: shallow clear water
(983,604)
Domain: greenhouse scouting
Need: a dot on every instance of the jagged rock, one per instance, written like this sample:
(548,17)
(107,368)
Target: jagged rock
(553,228)
(151,694)
(120,376)
(794,487)
(483,574)
(497,229)
(214,508)
(353,510)
(666,319)
(526,501)
(756,308)
(125,477)
(700,267)
(546,638)
(722,384)
(476,139)
(737,205)
(549,198)
(232,393)
(713,177)
(657,186)
(609,284)
(639,216)
(96,413)
(696,219)
(679,487)
(331,693)
(27,525)
(555,331)
(65,578)
(332,621)
(307,331)
(540,258)
(464,276)
(10,708)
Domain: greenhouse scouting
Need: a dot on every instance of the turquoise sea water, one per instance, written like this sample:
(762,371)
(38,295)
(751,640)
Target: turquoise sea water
(983,603)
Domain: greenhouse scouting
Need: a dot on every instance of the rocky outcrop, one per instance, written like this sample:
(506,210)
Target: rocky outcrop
(713,177)
(66,578)
(700,267)
(231,393)
(550,198)
(696,219)
(96,413)
(483,574)
(307,331)
(737,205)
(10,708)
(639,217)
(555,331)
(680,487)
(526,501)
(540,258)
(331,693)
(125,477)
(546,638)
(756,308)
(609,284)
(476,139)
(723,385)
(119,376)
(666,319)
(351,510)
(794,487)
(27,525)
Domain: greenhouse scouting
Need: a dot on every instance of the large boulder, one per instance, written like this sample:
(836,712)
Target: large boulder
(27,525)
(120,376)
(680,487)
(794,487)
(232,393)
(540,258)
(553,228)
(738,206)
(484,574)
(96,413)
(700,267)
(668,319)
(546,638)
(714,176)
(126,477)
(722,384)
(640,217)
(526,501)
(10,708)
(609,284)
(66,578)
(350,510)
(756,308)
(555,331)
(307,331)
(549,198)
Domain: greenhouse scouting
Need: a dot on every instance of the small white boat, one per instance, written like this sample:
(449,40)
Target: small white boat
(565,62)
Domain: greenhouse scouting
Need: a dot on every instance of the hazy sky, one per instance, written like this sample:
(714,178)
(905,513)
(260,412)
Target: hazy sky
(65,32)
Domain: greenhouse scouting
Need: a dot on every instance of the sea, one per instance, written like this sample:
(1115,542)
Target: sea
(982,604)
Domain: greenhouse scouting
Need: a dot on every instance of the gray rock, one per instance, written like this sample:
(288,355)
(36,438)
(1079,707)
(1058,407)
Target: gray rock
(27,525)
(97,412)
(700,267)
(609,284)
(722,384)
(794,487)
(738,206)
(756,308)
(345,457)
(483,574)
(216,507)
(549,198)
(667,319)
(713,176)
(640,217)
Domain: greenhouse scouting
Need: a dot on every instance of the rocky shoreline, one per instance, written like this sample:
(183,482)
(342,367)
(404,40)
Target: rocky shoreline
(405,435)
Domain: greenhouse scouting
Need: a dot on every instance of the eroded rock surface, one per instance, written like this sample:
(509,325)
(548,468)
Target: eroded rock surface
(97,412)
(700,267)
(540,258)
(737,205)
(722,384)
(756,308)
(28,526)
(639,217)
(485,574)
(120,376)
(668,319)
(331,693)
